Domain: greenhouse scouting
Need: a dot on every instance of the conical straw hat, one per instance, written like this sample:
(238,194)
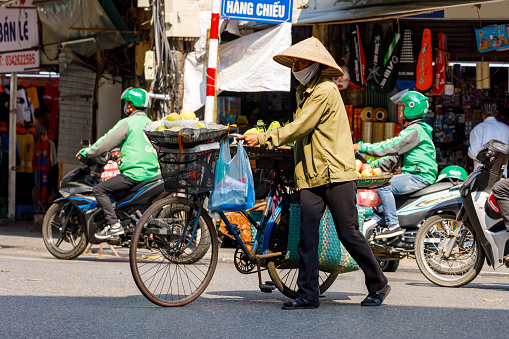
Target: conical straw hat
(310,49)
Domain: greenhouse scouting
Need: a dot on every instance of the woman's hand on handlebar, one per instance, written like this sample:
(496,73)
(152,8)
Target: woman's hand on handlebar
(251,139)
(356,147)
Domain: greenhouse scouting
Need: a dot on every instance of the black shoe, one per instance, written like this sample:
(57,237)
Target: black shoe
(390,233)
(299,304)
(377,298)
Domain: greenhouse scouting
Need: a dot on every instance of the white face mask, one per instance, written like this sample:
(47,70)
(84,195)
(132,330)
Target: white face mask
(305,75)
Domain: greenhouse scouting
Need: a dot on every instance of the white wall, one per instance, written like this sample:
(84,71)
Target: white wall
(488,11)
(109,109)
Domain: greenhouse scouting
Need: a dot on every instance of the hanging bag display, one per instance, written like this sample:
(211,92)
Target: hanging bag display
(406,71)
(357,59)
(390,62)
(439,83)
(233,183)
(374,58)
(424,69)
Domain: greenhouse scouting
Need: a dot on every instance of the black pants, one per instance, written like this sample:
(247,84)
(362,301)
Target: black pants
(340,197)
(501,194)
(103,191)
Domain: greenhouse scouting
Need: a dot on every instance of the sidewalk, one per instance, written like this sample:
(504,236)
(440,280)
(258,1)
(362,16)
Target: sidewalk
(24,236)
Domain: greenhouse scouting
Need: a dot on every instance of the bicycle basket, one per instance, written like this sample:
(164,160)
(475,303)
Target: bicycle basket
(190,171)
(186,137)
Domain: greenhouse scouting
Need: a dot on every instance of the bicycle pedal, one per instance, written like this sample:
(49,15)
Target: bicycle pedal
(271,283)
(267,288)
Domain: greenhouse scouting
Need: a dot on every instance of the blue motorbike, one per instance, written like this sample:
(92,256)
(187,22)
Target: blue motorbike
(72,220)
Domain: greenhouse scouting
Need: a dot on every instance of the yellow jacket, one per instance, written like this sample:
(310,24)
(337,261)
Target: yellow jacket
(323,151)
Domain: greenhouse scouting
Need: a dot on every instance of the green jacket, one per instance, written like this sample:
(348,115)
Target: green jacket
(138,157)
(323,150)
(414,144)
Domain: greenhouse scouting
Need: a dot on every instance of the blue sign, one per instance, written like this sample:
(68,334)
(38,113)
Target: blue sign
(270,11)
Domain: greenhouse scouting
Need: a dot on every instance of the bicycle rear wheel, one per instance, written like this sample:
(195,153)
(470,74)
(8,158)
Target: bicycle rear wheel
(172,262)
(282,272)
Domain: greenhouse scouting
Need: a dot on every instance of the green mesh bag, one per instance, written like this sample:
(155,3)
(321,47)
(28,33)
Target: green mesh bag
(332,255)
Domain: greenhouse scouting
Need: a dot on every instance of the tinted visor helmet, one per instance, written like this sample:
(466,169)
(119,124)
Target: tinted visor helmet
(416,104)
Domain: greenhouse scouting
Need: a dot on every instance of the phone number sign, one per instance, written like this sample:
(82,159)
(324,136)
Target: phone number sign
(19,61)
(269,11)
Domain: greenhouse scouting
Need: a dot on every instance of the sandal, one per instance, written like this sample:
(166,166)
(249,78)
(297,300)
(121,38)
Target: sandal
(299,304)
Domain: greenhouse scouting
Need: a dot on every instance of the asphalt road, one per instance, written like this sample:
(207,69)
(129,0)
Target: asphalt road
(95,296)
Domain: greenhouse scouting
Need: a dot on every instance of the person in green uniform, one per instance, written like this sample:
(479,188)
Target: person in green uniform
(414,148)
(138,159)
(325,170)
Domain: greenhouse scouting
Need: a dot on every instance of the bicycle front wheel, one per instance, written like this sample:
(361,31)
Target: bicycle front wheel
(283,273)
(173,257)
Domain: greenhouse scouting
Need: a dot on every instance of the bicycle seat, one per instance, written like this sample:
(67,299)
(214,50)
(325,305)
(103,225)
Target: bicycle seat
(439,186)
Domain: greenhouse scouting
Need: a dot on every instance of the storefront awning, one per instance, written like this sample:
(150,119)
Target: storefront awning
(369,10)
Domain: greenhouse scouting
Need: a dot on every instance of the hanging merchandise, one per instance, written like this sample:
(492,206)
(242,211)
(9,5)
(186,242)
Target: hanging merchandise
(357,59)
(406,71)
(439,83)
(456,72)
(367,114)
(380,114)
(424,70)
(391,63)
(491,38)
(378,132)
(374,65)
(367,131)
(389,130)
(343,81)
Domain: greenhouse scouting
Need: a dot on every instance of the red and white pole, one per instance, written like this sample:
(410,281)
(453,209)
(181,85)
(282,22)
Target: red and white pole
(212,62)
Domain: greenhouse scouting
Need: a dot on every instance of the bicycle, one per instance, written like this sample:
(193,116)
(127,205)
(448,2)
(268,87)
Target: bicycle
(174,248)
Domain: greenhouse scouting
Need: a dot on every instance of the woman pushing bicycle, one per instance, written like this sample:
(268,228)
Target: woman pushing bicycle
(325,170)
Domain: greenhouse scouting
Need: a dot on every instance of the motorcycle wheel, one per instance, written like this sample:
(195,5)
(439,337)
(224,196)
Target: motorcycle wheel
(466,259)
(71,244)
(283,274)
(386,265)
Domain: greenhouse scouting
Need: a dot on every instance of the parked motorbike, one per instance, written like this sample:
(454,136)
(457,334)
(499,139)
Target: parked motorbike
(450,252)
(440,200)
(71,221)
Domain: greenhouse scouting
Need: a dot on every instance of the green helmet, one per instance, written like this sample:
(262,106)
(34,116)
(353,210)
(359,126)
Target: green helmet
(138,96)
(453,172)
(416,104)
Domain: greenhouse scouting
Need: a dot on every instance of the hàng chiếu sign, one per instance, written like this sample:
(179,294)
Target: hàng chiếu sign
(268,11)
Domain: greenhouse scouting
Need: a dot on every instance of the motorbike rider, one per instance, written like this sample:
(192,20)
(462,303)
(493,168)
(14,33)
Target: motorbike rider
(501,193)
(490,128)
(414,148)
(138,159)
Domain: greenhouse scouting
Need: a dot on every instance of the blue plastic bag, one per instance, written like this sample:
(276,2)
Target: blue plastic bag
(233,188)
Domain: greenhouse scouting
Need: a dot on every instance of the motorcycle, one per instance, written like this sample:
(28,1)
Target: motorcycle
(72,220)
(451,252)
(440,200)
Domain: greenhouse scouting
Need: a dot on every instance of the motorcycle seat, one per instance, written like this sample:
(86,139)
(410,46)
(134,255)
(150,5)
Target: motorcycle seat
(439,186)
(143,183)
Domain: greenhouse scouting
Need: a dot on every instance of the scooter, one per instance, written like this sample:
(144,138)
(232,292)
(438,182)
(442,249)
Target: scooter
(451,252)
(442,199)
(72,220)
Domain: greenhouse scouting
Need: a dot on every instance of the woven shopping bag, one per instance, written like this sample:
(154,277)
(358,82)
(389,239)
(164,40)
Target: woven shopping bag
(332,255)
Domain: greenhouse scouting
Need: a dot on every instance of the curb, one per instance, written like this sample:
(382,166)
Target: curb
(481,274)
